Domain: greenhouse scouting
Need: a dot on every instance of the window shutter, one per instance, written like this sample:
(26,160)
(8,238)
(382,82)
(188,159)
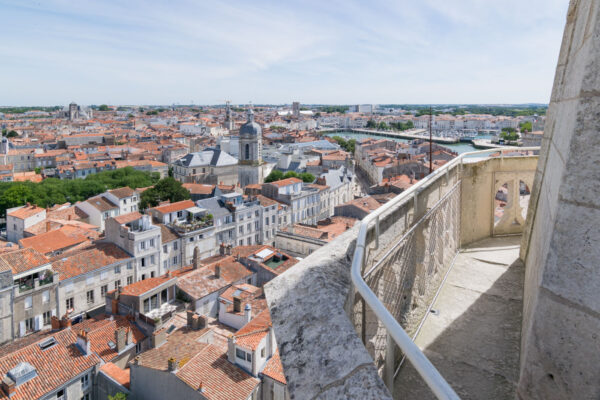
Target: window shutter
(38,322)
(22,328)
(54,312)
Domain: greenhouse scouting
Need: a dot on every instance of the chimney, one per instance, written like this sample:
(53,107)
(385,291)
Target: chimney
(196,258)
(65,321)
(120,339)
(201,388)
(222,249)
(237,304)
(196,322)
(231,349)
(218,271)
(190,316)
(48,225)
(83,342)
(228,250)
(172,364)
(69,217)
(55,322)
(248,313)
(114,306)
(8,386)
(129,336)
(159,338)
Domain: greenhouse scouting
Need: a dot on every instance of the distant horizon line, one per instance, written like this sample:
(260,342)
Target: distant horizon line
(286,104)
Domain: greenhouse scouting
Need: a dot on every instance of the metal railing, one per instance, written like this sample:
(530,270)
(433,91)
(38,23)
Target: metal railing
(407,244)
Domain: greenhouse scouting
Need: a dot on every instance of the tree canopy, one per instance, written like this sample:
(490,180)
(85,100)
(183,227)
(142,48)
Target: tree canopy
(53,191)
(166,189)
(347,145)
(277,175)
(103,107)
(526,126)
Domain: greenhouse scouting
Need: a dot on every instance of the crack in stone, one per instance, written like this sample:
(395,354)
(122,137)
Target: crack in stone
(341,381)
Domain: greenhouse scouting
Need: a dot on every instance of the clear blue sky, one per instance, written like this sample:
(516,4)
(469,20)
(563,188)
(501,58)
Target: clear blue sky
(343,52)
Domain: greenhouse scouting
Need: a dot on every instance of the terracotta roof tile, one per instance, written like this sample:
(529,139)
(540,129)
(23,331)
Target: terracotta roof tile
(129,217)
(52,241)
(173,207)
(26,212)
(55,366)
(121,376)
(89,259)
(274,369)
(219,379)
(22,260)
(140,287)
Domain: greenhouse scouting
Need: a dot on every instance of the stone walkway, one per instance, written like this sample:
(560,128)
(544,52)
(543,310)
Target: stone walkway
(473,333)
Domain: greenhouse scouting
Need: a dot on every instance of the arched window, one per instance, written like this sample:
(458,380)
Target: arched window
(247,152)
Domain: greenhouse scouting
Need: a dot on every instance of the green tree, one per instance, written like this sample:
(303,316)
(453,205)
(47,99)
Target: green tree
(526,126)
(118,396)
(38,170)
(103,107)
(307,177)
(371,124)
(509,134)
(166,189)
(11,133)
(275,175)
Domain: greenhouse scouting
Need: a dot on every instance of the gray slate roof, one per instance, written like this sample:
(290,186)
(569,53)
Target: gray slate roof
(208,157)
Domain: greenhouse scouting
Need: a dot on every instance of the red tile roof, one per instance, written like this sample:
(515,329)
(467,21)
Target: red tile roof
(26,212)
(274,369)
(52,241)
(140,287)
(126,218)
(173,207)
(123,192)
(286,182)
(219,379)
(121,376)
(203,281)
(101,330)
(55,366)
(89,259)
(22,260)
(250,335)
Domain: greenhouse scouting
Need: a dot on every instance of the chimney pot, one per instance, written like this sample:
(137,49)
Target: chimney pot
(218,271)
(237,304)
(120,339)
(172,364)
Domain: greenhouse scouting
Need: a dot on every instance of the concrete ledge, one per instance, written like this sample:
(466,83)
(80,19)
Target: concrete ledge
(322,355)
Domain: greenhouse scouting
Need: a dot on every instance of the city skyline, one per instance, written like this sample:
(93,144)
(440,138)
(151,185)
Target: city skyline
(466,52)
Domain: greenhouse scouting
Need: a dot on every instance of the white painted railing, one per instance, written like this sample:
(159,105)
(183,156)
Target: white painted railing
(420,362)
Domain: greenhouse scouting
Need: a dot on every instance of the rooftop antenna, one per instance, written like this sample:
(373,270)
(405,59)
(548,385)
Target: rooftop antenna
(430,140)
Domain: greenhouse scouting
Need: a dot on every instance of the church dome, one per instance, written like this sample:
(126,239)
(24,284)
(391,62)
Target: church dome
(251,127)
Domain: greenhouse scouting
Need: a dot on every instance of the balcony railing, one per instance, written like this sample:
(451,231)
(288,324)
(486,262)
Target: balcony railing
(190,226)
(398,274)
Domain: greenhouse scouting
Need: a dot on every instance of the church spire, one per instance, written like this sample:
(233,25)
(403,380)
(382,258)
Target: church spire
(250,114)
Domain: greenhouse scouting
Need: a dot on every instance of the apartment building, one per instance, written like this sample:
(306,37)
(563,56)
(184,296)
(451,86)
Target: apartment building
(126,198)
(86,276)
(194,225)
(240,221)
(33,284)
(18,219)
(99,209)
(211,166)
(141,239)
(304,201)
(187,366)
(254,349)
